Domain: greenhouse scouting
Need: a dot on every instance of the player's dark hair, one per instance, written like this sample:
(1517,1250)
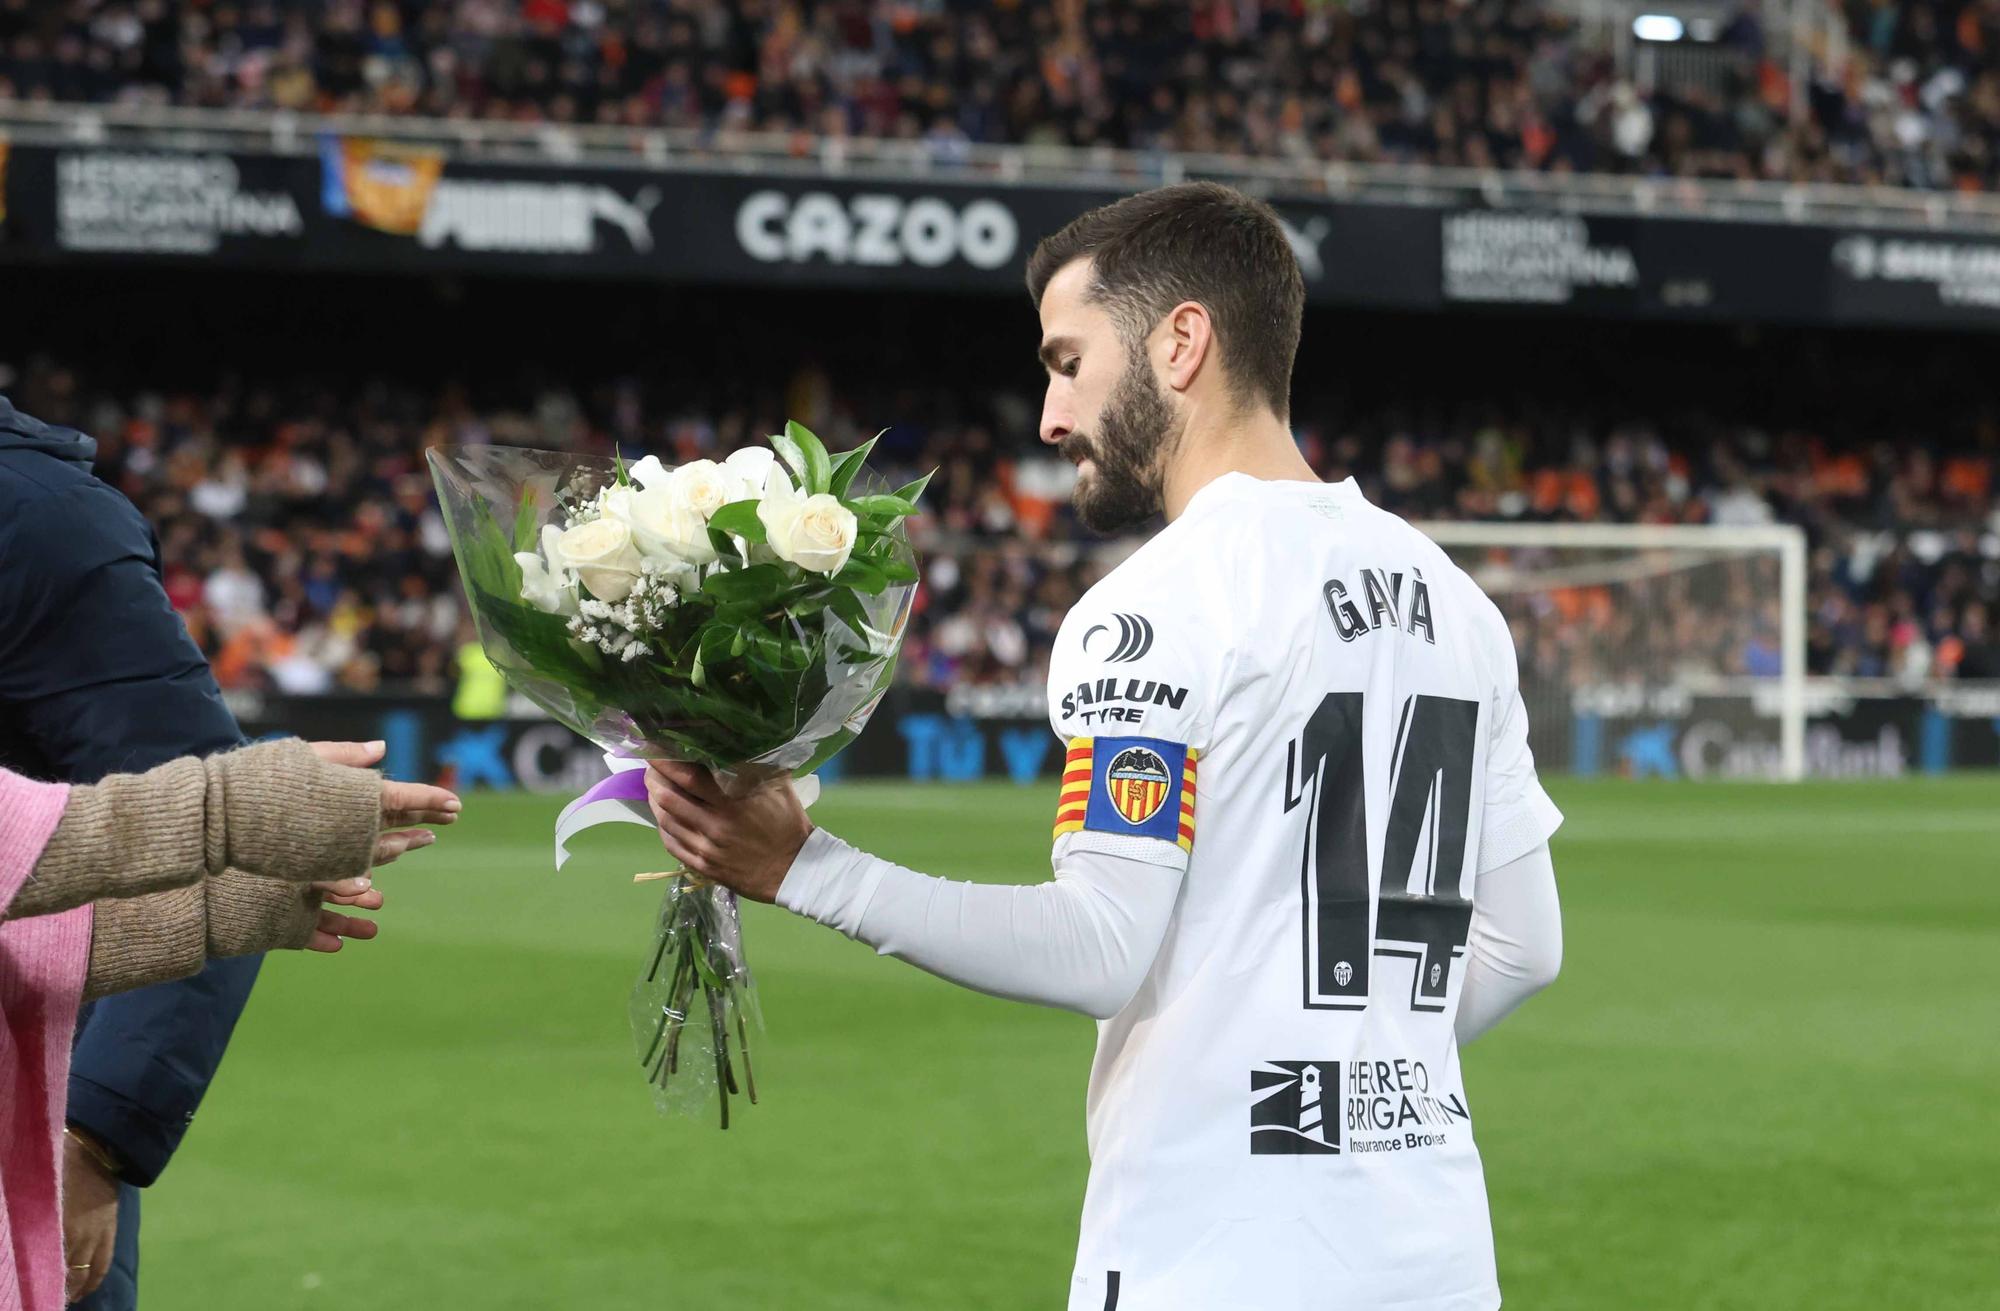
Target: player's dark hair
(1202,242)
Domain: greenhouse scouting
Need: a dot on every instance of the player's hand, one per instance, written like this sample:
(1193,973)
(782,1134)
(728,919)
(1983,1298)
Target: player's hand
(89,1221)
(403,804)
(744,843)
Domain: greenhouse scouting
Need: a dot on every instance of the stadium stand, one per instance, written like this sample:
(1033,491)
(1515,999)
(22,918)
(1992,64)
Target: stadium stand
(1903,94)
(306,554)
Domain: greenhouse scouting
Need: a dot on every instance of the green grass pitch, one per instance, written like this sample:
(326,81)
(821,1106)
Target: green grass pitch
(1766,1080)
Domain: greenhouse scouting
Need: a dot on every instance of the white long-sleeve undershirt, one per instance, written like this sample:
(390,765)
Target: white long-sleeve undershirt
(1082,941)
(1515,948)
(1085,940)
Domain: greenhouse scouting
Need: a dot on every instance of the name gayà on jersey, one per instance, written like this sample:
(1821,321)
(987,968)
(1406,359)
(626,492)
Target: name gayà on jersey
(1393,599)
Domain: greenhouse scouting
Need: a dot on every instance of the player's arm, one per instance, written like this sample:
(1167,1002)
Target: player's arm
(1133,712)
(1082,941)
(1515,947)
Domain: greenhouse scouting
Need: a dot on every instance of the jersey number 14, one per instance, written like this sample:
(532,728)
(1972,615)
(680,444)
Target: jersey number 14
(1418,914)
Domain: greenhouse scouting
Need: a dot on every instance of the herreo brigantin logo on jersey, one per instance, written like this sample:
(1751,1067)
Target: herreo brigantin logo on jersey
(1135,638)
(1295,1108)
(1140,787)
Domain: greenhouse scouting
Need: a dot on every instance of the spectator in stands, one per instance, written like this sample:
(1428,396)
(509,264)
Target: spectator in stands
(1897,93)
(1979,645)
(338,574)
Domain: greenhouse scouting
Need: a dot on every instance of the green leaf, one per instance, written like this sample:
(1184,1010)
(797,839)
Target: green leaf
(897,570)
(848,606)
(740,518)
(851,464)
(778,654)
(792,454)
(912,491)
(687,649)
(526,522)
(815,470)
(811,603)
(716,639)
(709,978)
(618,457)
(486,560)
(738,613)
(881,506)
(862,576)
(757,583)
(725,546)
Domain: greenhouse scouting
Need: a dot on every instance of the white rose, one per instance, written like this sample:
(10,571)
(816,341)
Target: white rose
(648,472)
(615,502)
(668,529)
(703,487)
(604,557)
(544,584)
(813,532)
(753,468)
(552,548)
(540,588)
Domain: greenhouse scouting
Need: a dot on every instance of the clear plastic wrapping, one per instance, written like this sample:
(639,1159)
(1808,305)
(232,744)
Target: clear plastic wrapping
(743,615)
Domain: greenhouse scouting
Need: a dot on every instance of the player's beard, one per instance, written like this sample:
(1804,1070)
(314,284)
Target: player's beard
(1125,485)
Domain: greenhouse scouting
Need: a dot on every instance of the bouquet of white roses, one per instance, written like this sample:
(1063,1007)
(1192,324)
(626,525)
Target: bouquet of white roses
(744,615)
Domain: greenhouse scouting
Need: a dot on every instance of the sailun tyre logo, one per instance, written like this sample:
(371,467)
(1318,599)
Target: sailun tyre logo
(1137,783)
(1135,638)
(1295,1108)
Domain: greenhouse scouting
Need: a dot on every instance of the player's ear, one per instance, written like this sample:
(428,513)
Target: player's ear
(1189,341)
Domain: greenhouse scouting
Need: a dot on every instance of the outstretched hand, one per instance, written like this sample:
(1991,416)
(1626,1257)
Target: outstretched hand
(744,843)
(333,927)
(403,804)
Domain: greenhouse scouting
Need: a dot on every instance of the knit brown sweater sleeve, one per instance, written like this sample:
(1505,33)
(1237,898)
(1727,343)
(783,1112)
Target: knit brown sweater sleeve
(137,941)
(125,836)
(274,809)
(172,857)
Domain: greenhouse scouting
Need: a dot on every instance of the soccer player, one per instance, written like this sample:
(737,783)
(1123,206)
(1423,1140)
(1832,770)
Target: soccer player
(1300,849)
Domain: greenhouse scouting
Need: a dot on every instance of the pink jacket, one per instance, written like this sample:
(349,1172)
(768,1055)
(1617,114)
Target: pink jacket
(43,962)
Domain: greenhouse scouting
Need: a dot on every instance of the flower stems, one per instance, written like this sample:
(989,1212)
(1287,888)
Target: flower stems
(700,949)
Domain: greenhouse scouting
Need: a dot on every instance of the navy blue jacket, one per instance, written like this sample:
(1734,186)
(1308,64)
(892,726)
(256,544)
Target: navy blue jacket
(98,676)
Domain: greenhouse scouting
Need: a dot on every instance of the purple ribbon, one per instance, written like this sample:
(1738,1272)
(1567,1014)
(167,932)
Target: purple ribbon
(625,785)
(617,799)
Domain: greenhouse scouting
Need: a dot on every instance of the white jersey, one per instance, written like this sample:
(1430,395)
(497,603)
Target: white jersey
(1298,698)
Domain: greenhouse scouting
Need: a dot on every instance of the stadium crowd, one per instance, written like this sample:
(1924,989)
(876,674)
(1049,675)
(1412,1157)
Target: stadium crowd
(1912,99)
(304,549)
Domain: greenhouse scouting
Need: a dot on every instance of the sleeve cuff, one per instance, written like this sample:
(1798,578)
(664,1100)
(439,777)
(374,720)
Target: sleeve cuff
(831,883)
(1518,829)
(1149,851)
(141,1143)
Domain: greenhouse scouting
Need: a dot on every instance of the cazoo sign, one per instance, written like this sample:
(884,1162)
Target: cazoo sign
(876,229)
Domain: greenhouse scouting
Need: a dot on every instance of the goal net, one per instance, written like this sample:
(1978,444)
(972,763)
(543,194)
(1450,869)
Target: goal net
(1652,651)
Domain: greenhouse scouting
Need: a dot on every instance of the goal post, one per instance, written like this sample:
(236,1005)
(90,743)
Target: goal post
(1651,649)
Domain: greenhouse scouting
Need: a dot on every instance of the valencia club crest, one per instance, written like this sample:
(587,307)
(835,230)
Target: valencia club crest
(1138,783)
